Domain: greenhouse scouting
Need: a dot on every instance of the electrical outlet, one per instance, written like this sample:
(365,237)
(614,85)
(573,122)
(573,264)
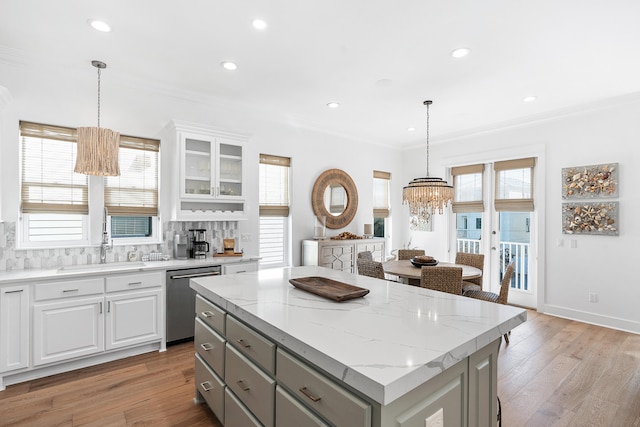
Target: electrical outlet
(593,297)
(574,243)
(245,237)
(435,420)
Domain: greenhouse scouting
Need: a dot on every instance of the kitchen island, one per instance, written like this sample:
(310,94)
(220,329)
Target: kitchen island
(403,355)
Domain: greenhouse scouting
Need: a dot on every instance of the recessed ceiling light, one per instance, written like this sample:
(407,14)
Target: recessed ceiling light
(259,24)
(529,98)
(460,52)
(99,25)
(228,65)
(411,129)
(333,105)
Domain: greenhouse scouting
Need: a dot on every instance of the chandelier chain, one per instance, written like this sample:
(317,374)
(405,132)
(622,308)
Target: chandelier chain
(427,103)
(99,69)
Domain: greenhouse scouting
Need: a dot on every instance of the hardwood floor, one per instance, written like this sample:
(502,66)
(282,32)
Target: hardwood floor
(554,372)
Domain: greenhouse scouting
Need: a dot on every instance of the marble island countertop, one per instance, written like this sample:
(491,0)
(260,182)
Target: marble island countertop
(383,344)
(71,271)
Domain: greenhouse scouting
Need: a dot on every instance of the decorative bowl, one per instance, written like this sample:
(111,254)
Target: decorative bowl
(418,263)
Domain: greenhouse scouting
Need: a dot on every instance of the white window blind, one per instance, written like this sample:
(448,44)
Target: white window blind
(274,185)
(135,191)
(381,194)
(272,240)
(467,182)
(514,185)
(48,182)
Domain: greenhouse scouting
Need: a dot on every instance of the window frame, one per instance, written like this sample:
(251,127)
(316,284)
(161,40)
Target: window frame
(91,220)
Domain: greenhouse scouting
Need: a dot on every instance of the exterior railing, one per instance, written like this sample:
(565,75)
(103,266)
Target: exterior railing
(509,251)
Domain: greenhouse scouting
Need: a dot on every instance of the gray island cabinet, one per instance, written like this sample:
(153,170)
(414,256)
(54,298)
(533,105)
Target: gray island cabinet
(269,354)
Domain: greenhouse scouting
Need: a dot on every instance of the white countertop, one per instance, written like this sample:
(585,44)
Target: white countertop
(16,276)
(383,344)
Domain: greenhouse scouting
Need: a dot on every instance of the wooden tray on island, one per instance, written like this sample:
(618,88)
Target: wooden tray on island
(328,288)
(228,254)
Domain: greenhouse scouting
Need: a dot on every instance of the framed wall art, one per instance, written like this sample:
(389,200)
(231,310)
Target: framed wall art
(587,182)
(590,218)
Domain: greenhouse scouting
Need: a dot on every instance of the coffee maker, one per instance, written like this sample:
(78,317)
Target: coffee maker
(199,245)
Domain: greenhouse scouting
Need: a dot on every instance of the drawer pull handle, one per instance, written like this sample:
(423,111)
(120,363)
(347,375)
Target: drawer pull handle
(307,393)
(69,290)
(206,346)
(206,386)
(242,385)
(135,283)
(208,314)
(243,343)
(14,292)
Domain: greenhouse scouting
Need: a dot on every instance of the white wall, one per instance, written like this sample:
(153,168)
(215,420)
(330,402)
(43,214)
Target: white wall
(67,97)
(600,264)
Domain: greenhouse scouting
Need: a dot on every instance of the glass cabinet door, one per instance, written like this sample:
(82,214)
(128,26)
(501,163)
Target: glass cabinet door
(197,167)
(230,170)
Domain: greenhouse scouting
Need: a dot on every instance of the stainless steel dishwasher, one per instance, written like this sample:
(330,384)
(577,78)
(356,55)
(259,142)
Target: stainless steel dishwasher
(181,301)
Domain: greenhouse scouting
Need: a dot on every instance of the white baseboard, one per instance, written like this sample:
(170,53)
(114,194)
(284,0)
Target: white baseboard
(591,318)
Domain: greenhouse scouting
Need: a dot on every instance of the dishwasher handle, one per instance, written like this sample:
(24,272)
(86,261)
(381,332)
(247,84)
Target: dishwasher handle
(191,276)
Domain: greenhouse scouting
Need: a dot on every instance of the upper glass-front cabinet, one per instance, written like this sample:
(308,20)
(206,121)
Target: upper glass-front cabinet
(212,168)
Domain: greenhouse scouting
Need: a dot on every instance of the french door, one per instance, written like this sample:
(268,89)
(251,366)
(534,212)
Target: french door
(494,216)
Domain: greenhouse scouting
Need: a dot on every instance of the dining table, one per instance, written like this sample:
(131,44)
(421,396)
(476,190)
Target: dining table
(410,274)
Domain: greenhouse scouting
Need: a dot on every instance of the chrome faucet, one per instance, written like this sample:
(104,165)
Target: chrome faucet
(104,245)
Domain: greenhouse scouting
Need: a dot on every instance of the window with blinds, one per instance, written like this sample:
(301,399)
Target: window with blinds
(132,198)
(54,199)
(273,197)
(467,184)
(48,182)
(514,185)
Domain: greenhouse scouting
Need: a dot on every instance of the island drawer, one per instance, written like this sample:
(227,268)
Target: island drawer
(237,415)
(127,282)
(333,402)
(290,412)
(210,346)
(252,386)
(252,344)
(70,288)
(210,387)
(210,314)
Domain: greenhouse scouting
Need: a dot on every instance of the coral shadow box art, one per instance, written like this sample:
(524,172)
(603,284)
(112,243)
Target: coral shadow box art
(588,182)
(590,218)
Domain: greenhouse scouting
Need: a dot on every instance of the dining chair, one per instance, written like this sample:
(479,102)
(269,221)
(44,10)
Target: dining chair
(367,267)
(365,255)
(498,298)
(409,253)
(443,279)
(473,260)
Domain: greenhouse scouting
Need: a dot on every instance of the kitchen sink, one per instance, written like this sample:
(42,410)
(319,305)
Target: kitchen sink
(102,267)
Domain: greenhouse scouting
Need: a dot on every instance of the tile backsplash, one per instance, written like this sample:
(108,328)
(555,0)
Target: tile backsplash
(18,259)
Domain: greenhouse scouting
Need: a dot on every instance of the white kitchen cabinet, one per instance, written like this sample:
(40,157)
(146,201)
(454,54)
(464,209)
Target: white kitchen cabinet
(67,328)
(211,165)
(133,317)
(239,267)
(14,327)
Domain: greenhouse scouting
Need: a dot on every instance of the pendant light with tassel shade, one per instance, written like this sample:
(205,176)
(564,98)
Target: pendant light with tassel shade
(98,147)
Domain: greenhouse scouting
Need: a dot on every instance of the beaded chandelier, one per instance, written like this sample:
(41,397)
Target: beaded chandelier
(426,195)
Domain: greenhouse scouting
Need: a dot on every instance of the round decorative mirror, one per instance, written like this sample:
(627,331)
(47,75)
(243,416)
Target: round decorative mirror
(335,197)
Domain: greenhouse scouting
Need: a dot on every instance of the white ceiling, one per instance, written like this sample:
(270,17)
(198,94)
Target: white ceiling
(378,58)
